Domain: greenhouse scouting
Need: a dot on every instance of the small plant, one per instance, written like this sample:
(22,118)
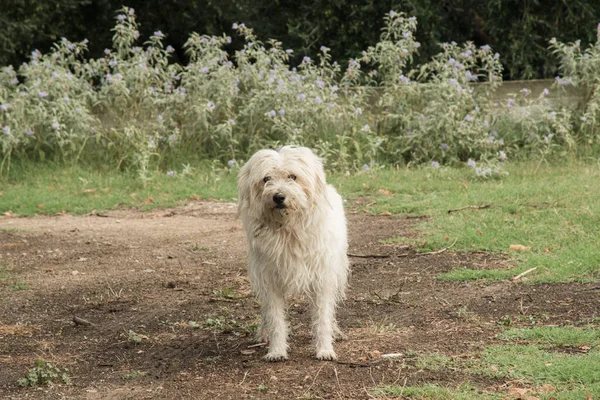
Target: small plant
(44,373)
(133,375)
(464,313)
(384,326)
(7,280)
(227,293)
(262,388)
(136,338)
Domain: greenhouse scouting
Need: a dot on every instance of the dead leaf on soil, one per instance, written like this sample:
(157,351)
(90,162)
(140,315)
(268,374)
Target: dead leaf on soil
(372,355)
(385,214)
(546,388)
(519,393)
(519,247)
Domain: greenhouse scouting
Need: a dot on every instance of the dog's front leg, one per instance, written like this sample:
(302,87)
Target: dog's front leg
(273,322)
(324,324)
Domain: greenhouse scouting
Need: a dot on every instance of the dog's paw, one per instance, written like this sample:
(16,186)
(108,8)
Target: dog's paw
(326,355)
(275,357)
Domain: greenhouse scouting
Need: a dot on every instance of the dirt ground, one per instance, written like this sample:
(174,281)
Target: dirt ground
(143,276)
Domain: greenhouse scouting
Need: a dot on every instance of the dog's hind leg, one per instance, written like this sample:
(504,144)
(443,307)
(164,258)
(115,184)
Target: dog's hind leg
(274,325)
(338,335)
(324,323)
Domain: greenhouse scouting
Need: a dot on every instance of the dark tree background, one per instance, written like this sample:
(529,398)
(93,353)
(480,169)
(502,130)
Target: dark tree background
(518,29)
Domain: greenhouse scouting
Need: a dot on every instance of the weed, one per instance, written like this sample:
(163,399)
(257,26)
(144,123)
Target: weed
(134,374)
(136,338)
(386,325)
(44,373)
(227,293)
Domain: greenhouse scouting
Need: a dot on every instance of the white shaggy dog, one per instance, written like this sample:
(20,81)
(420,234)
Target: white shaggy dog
(296,230)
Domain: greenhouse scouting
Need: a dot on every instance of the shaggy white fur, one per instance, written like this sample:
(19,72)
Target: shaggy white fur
(296,230)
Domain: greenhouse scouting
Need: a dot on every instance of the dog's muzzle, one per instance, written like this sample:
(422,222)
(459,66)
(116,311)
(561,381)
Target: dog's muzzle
(279,200)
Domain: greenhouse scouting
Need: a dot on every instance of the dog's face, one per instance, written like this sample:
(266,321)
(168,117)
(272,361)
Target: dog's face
(280,185)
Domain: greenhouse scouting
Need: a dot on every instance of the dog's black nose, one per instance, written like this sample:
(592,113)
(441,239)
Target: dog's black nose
(278,198)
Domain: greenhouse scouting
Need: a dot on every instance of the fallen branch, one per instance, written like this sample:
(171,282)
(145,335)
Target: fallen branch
(353,364)
(368,255)
(81,321)
(256,345)
(97,214)
(522,274)
(470,207)
(431,253)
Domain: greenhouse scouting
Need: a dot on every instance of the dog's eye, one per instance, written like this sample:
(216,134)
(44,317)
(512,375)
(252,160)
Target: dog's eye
(292,177)
(266,179)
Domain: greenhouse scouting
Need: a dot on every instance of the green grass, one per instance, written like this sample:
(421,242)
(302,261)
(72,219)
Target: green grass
(49,189)
(554,210)
(432,391)
(544,372)
(571,375)
(9,281)
(555,335)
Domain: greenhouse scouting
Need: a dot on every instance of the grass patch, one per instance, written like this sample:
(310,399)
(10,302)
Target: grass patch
(8,280)
(433,362)
(555,335)
(553,210)
(50,189)
(527,369)
(573,376)
(433,391)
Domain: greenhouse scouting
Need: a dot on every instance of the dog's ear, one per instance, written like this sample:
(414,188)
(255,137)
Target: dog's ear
(243,187)
(320,180)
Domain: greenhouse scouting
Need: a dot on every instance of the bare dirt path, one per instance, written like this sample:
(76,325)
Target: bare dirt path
(172,315)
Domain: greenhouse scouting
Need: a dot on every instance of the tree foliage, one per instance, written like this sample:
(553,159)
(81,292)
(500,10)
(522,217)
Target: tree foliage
(517,29)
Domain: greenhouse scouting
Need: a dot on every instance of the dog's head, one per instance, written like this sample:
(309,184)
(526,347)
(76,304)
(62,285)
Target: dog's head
(280,185)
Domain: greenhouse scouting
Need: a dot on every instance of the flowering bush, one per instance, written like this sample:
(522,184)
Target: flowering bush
(582,69)
(133,108)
